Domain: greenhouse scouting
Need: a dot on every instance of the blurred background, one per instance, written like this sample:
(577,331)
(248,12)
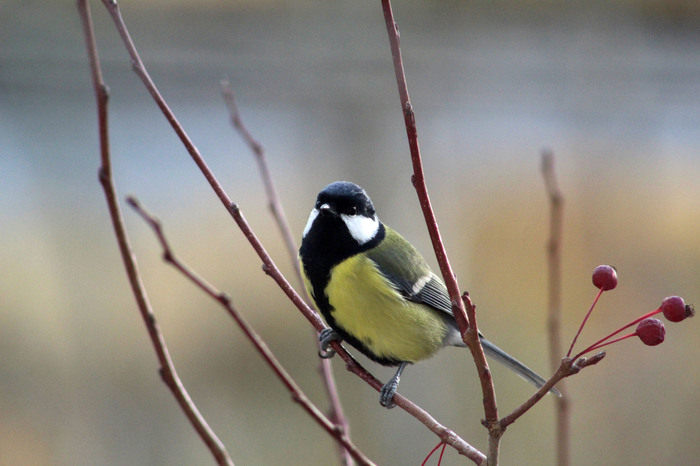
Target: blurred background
(613,88)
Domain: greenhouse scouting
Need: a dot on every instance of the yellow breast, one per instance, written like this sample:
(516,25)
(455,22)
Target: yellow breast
(368,307)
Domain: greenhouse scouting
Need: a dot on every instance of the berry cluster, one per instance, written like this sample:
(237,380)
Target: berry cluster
(650,330)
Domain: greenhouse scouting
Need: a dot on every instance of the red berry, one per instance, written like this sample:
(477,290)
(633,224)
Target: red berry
(674,308)
(651,331)
(604,277)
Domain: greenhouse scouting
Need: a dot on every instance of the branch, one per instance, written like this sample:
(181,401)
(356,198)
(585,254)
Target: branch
(556,207)
(297,394)
(491,413)
(167,368)
(567,368)
(275,206)
(269,266)
(471,338)
(274,203)
(418,178)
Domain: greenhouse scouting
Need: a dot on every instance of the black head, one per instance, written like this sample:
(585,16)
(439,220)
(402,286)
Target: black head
(346,198)
(342,223)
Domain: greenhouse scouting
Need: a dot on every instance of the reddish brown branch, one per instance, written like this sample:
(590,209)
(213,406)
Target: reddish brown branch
(481,364)
(458,306)
(167,369)
(418,178)
(269,266)
(297,394)
(490,420)
(275,204)
(567,367)
(556,210)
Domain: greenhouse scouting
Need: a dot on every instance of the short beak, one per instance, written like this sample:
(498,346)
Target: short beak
(325,209)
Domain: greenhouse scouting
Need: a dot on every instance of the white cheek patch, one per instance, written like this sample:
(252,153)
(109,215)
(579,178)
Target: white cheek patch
(360,227)
(309,222)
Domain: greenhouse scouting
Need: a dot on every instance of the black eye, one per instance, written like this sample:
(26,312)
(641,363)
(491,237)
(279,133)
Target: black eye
(352,210)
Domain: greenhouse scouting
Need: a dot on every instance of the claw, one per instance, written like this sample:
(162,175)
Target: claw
(386,393)
(325,338)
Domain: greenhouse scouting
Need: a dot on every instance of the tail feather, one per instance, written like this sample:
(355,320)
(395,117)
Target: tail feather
(510,362)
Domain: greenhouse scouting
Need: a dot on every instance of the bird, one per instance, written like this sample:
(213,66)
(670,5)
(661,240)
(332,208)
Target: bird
(375,290)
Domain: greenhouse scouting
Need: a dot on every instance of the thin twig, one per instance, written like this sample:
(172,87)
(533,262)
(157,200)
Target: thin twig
(567,368)
(273,199)
(418,179)
(167,369)
(297,394)
(491,419)
(556,208)
(269,266)
(274,203)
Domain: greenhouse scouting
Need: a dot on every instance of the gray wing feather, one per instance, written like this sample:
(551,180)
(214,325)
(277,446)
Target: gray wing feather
(434,294)
(428,289)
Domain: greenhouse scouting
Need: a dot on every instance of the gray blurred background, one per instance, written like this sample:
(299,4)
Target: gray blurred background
(613,88)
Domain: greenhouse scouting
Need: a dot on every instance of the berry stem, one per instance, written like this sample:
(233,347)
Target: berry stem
(604,343)
(600,292)
(442,452)
(441,444)
(600,343)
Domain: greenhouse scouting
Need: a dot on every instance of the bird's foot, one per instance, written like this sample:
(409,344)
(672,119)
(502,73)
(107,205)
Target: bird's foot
(386,393)
(325,338)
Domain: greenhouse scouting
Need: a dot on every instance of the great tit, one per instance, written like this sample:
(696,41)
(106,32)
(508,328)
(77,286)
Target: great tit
(376,291)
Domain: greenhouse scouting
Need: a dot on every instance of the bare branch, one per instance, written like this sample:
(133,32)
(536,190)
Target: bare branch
(418,179)
(297,394)
(167,369)
(556,208)
(482,366)
(275,205)
(567,367)
(269,266)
